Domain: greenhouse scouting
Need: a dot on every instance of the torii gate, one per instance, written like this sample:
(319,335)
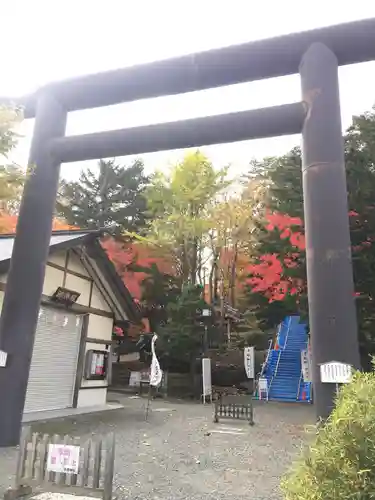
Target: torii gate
(316,55)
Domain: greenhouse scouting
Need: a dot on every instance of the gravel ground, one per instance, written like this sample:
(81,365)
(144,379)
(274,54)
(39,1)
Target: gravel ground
(180,454)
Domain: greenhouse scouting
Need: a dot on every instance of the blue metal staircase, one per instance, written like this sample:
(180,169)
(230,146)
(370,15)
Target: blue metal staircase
(283,367)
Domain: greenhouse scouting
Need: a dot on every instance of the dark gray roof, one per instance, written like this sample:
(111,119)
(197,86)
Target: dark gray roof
(6,241)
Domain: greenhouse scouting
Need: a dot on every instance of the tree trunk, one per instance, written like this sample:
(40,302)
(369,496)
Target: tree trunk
(194,261)
(233,276)
(212,277)
(222,309)
(216,279)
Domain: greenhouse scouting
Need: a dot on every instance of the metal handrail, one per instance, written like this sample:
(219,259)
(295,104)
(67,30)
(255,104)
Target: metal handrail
(287,332)
(267,357)
(277,367)
(299,385)
(277,364)
(278,333)
(260,374)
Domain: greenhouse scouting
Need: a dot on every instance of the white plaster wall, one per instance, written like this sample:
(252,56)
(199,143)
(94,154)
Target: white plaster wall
(79,285)
(98,301)
(100,327)
(92,397)
(53,279)
(113,297)
(75,264)
(58,258)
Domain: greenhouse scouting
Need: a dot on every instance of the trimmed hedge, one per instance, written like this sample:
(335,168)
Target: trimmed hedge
(340,463)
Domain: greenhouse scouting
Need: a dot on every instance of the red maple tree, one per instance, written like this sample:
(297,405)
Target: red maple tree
(8,224)
(124,256)
(270,276)
(273,275)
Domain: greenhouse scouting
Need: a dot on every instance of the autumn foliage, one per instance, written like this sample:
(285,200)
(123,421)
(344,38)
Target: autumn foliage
(124,256)
(272,276)
(8,224)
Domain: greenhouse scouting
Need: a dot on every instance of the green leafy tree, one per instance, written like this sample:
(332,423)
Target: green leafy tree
(182,337)
(12,177)
(231,223)
(179,203)
(110,196)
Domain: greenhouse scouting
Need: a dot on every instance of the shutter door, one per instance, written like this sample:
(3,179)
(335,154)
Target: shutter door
(54,361)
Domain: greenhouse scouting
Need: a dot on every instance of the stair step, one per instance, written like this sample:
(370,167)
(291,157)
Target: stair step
(283,371)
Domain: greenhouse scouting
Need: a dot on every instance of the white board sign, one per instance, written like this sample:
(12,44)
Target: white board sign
(206,378)
(144,376)
(135,379)
(335,373)
(249,358)
(263,388)
(306,365)
(63,458)
(3,359)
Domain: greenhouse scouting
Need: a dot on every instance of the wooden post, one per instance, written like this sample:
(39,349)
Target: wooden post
(109,466)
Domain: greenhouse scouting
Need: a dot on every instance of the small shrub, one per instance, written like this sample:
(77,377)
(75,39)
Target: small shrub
(340,463)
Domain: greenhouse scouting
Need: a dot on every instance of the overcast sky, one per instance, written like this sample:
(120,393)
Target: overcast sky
(47,40)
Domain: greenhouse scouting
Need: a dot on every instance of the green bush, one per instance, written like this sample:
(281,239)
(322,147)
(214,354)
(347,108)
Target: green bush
(340,463)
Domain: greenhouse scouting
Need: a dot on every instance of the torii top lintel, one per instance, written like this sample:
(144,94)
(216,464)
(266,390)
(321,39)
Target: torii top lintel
(352,42)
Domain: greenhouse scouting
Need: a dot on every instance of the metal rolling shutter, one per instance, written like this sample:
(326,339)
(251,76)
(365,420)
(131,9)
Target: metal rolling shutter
(54,361)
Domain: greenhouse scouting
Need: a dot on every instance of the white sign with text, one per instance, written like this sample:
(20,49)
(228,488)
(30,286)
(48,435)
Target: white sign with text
(335,372)
(249,361)
(306,365)
(63,458)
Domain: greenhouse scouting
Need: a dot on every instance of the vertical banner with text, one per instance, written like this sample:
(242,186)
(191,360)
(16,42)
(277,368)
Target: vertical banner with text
(249,361)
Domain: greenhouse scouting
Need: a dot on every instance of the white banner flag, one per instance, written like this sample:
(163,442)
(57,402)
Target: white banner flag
(249,355)
(156,373)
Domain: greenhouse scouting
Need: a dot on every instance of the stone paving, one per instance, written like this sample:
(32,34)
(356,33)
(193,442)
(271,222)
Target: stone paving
(179,453)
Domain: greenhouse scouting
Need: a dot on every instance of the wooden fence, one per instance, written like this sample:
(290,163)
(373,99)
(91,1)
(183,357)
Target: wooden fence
(95,469)
(238,411)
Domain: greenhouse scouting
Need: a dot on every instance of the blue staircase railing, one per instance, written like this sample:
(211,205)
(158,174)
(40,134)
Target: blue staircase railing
(282,367)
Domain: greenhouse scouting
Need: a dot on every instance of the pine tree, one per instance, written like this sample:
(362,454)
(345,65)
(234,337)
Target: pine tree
(110,196)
